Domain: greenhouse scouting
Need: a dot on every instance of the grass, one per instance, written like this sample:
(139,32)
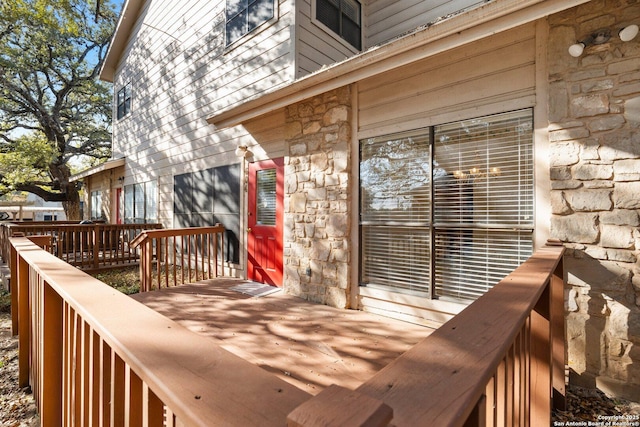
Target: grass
(125,280)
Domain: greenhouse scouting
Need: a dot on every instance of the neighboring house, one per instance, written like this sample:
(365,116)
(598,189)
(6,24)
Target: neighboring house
(103,191)
(398,157)
(45,211)
(30,208)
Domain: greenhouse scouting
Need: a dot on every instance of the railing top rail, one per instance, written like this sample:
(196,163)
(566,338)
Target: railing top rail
(168,232)
(198,380)
(54,226)
(462,355)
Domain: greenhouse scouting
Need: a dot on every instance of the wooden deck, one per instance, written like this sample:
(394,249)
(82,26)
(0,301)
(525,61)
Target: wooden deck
(308,345)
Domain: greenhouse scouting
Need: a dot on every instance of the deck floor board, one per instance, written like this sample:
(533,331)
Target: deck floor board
(309,345)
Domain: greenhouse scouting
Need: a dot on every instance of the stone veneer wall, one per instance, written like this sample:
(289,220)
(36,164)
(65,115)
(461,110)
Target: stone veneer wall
(317,225)
(594,115)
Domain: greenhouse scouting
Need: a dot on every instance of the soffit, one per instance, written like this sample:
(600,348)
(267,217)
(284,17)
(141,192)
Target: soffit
(127,20)
(109,164)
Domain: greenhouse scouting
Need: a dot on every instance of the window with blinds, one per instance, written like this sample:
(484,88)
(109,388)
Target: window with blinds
(342,17)
(448,215)
(266,197)
(395,212)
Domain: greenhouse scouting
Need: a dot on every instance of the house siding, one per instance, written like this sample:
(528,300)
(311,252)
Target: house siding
(387,19)
(181,72)
(382,21)
(493,75)
(315,45)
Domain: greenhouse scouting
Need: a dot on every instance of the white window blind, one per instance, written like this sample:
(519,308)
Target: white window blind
(483,202)
(395,213)
(266,197)
(455,229)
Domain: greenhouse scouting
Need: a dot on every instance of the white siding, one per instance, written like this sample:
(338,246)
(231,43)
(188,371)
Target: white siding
(315,45)
(387,19)
(181,73)
(492,75)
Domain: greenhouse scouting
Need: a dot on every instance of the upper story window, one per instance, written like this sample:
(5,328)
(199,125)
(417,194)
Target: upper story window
(243,16)
(342,17)
(124,101)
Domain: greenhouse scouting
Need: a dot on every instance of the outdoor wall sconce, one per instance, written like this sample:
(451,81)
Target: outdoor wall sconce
(602,36)
(242,151)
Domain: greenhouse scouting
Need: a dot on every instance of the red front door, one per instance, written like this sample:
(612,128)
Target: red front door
(264,224)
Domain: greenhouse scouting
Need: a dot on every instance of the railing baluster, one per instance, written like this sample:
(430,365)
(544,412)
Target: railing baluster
(132,399)
(174,250)
(117,415)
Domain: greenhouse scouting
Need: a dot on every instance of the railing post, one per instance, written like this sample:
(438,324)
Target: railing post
(541,359)
(13,287)
(558,337)
(96,236)
(24,324)
(52,350)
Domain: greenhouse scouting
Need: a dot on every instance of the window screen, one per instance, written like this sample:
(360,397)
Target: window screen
(455,229)
(342,17)
(244,16)
(207,197)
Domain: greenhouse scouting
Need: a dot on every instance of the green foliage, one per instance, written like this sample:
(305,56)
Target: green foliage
(27,162)
(51,52)
(5,301)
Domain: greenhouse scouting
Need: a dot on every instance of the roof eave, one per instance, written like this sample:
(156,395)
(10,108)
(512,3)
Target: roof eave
(109,164)
(493,17)
(126,21)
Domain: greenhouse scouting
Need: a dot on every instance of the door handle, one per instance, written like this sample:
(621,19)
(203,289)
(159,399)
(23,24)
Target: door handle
(249,230)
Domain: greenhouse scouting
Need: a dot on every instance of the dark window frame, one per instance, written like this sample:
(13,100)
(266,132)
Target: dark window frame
(123,101)
(340,28)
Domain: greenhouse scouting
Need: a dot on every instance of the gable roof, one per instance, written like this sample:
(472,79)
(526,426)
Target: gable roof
(475,24)
(126,21)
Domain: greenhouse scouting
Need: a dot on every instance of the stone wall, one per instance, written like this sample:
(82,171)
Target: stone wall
(594,115)
(317,227)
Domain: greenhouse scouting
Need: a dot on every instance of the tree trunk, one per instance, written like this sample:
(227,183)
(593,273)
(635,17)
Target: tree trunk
(72,204)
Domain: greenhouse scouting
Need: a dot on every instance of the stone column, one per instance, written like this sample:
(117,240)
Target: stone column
(317,229)
(595,177)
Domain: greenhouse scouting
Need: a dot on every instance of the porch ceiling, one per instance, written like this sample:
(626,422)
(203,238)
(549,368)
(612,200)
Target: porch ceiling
(308,345)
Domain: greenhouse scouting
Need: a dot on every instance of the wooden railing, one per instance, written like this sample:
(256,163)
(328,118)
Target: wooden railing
(500,362)
(86,246)
(94,356)
(171,257)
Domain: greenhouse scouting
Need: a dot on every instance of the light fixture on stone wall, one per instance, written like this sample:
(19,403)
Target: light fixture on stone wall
(628,33)
(602,36)
(243,151)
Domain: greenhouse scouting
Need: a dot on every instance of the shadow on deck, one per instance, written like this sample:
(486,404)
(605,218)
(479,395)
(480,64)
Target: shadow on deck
(308,345)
